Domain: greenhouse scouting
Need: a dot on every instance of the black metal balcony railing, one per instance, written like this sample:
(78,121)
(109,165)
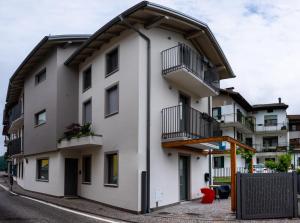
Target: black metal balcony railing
(182,56)
(14,146)
(280,147)
(15,112)
(181,121)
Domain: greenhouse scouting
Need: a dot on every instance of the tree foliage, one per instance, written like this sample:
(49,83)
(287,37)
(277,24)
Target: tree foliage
(281,165)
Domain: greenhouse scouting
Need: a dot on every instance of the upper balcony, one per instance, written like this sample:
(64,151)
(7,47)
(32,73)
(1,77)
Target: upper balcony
(184,67)
(14,146)
(271,128)
(238,120)
(181,122)
(15,120)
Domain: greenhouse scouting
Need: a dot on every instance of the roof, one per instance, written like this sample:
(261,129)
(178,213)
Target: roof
(153,15)
(293,117)
(34,57)
(238,98)
(259,107)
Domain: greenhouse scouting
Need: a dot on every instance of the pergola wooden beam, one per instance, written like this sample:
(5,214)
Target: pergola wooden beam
(233,143)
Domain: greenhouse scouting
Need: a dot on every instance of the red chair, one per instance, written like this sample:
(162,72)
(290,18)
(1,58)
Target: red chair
(209,195)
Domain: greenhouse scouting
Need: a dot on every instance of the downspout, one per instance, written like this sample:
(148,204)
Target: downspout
(209,155)
(148,105)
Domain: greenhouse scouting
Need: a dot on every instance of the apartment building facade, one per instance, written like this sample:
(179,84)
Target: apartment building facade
(262,126)
(294,138)
(146,77)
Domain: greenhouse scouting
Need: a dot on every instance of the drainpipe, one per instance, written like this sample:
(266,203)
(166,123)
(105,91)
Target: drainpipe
(148,106)
(209,155)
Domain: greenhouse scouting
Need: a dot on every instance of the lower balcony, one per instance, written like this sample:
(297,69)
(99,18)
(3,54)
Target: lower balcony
(183,123)
(79,137)
(84,142)
(14,147)
(282,147)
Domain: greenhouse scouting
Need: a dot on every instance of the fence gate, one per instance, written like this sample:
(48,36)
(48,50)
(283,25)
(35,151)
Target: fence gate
(266,195)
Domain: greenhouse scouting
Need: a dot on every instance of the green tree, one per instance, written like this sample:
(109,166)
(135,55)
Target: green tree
(281,165)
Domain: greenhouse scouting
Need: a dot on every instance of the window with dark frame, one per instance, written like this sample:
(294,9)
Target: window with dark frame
(219,162)
(112,169)
(87,79)
(86,169)
(40,77)
(112,100)
(40,117)
(112,61)
(270,120)
(87,112)
(43,169)
(22,169)
(271,141)
(217,113)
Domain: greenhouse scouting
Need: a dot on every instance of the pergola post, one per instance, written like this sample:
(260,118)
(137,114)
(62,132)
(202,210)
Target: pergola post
(251,169)
(233,175)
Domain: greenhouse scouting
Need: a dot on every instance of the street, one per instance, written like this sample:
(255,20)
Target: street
(14,208)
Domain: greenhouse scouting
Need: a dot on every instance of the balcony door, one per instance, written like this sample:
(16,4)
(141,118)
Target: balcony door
(185,102)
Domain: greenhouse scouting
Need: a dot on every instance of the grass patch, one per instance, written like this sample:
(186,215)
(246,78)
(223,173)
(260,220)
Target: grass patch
(222,180)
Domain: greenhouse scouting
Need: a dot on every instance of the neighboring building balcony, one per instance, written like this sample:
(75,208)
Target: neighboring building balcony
(180,123)
(295,145)
(16,119)
(185,68)
(280,147)
(79,137)
(274,128)
(14,147)
(238,120)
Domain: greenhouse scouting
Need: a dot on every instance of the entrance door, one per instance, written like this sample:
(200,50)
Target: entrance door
(184,101)
(184,177)
(71,171)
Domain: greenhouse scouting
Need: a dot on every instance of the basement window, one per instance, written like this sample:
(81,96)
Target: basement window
(43,169)
(86,169)
(111,169)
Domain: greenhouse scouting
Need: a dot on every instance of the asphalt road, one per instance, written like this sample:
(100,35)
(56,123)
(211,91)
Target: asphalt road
(14,208)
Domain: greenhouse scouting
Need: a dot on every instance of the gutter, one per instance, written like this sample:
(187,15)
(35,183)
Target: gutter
(146,38)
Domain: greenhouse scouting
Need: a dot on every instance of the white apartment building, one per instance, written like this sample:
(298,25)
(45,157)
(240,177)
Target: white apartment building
(144,78)
(262,126)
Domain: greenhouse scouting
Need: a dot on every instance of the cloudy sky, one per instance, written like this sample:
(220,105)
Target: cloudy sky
(261,39)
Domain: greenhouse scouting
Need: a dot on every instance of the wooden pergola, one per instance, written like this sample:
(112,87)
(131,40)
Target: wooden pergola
(184,144)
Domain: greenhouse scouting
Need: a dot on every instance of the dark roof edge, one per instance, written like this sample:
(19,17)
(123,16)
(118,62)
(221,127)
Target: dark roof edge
(259,107)
(165,9)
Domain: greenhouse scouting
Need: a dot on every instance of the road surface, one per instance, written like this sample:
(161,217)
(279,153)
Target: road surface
(14,208)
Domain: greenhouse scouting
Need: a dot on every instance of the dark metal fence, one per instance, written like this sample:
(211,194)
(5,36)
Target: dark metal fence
(266,195)
(15,112)
(182,121)
(182,56)
(14,146)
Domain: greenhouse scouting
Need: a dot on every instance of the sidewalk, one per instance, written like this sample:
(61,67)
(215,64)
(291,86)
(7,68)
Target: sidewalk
(187,212)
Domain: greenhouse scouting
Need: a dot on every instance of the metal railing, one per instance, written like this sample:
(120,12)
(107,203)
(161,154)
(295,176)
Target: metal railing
(280,147)
(182,56)
(14,146)
(226,171)
(274,127)
(15,113)
(182,121)
(236,117)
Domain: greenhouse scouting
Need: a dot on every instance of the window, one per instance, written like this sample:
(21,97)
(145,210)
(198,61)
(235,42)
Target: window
(19,171)
(86,169)
(40,118)
(87,112)
(112,169)
(294,128)
(270,120)
(249,141)
(219,162)
(87,79)
(271,141)
(217,113)
(40,77)
(112,100)
(22,169)
(239,136)
(43,169)
(112,62)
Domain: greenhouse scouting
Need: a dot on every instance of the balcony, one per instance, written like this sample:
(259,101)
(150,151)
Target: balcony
(79,137)
(274,128)
(180,122)
(295,145)
(184,67)
(280,147)
(14,147)
(16,119)
(238,120)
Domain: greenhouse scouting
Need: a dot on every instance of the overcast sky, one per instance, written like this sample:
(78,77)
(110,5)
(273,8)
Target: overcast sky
(261,39)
